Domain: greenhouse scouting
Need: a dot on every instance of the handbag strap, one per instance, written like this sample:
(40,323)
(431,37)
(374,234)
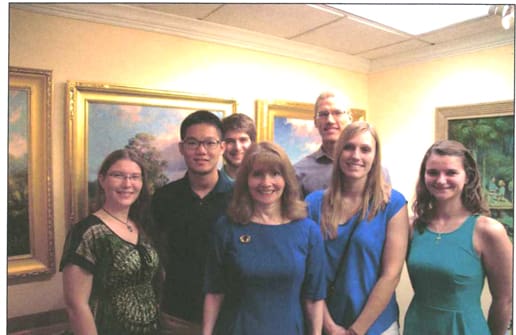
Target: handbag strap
(345,252)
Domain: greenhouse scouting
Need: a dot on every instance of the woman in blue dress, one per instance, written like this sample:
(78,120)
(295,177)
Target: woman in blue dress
(265,272)
(454,247)
(365,227)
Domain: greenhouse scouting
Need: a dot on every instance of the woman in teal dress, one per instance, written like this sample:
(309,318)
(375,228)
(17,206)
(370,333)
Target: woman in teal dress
(110,267)
(454,247)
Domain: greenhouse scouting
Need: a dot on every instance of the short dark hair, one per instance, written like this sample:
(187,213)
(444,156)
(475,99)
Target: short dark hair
(198,117)
(239,122)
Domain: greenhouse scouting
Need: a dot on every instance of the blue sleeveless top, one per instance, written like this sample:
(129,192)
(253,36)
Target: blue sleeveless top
(362,266)
(447,276)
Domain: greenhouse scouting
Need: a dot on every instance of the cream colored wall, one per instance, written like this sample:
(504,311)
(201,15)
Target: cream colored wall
(400,102)
(402,105)
(81,51)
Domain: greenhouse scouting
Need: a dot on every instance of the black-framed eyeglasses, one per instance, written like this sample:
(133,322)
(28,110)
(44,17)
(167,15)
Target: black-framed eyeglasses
(193,144)
(337,114)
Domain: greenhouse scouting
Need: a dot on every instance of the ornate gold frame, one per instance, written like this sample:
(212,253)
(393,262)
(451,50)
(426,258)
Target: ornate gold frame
(445,114)
(267,111)
(40,263)
(80,94)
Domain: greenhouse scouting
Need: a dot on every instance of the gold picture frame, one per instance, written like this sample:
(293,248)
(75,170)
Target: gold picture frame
(30,174)
(483,110)
(487,130)
(291,125)
(111,112)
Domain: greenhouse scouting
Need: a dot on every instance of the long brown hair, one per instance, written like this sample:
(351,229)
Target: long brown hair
(241,206)
(472,198)
(139,210)
(376,192)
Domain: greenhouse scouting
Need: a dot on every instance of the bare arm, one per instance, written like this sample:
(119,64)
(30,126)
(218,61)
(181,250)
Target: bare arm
(212,303)
(330,327)
(393,258)
(77,284)
(495,249)
(314,316)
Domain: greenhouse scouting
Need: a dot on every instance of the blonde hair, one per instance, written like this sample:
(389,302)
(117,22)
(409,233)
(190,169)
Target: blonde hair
(376,192)
(241,206)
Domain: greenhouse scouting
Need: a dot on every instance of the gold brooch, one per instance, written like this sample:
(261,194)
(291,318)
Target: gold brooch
(245,238)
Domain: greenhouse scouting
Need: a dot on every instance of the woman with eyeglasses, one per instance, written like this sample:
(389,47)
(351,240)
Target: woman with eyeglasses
(265,271)
(110,267)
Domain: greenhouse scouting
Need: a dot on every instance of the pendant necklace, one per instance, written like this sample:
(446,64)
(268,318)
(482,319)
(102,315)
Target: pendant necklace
(126,223)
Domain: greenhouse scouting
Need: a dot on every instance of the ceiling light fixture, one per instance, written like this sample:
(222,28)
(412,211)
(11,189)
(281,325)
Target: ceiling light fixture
(506,12)
(508,16)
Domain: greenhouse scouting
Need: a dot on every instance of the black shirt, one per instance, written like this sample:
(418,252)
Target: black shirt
(183,221)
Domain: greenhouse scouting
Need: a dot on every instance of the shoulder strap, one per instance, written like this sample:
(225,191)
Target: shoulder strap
(345,252)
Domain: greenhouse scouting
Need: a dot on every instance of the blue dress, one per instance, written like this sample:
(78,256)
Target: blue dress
(447,276)
(265,272)
(362,266)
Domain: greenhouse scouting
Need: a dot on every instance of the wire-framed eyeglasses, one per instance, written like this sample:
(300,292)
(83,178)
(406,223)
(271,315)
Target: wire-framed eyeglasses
(122,176)
(337,114)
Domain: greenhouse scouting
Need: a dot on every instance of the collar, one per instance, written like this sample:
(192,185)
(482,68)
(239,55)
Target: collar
(321,155)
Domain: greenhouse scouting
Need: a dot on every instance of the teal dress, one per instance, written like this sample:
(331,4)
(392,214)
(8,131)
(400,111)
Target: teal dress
(447,276)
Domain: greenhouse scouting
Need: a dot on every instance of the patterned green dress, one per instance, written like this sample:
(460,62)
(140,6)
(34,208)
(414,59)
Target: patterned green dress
(122,299)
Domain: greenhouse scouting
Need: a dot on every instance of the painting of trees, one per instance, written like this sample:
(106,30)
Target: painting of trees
(18,238)
(491,140)
(142,145)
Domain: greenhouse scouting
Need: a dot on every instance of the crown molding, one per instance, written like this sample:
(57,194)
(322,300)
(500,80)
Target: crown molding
(128,16)
(144,19)
(478,42)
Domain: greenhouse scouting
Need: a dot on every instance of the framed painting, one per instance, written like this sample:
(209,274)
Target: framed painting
(30,227)
(103,118)
(488,131)
(291,125)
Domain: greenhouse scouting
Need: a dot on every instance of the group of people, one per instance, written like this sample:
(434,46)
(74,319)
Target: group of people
(262,246)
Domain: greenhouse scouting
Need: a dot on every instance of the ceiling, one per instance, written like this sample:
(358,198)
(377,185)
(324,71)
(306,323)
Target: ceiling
(312,32)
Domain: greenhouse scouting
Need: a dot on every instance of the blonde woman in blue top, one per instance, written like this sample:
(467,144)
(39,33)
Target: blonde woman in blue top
(365,226)
(454,248)
(265,272)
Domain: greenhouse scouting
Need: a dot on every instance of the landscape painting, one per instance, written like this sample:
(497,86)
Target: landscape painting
(18,179)
(488,131)
(106,117)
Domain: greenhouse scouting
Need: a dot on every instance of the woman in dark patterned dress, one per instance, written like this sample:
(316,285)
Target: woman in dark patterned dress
(109,264)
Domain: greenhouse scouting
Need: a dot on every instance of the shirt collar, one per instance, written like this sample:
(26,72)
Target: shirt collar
(320,155)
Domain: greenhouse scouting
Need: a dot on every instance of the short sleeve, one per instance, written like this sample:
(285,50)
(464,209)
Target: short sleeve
(314,286)
(79,247)
(396,202)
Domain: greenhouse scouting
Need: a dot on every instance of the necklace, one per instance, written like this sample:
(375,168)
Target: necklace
(126,223)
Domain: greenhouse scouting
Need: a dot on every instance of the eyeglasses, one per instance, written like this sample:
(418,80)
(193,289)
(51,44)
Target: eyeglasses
(122,177)
(337,114)
(193,144)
